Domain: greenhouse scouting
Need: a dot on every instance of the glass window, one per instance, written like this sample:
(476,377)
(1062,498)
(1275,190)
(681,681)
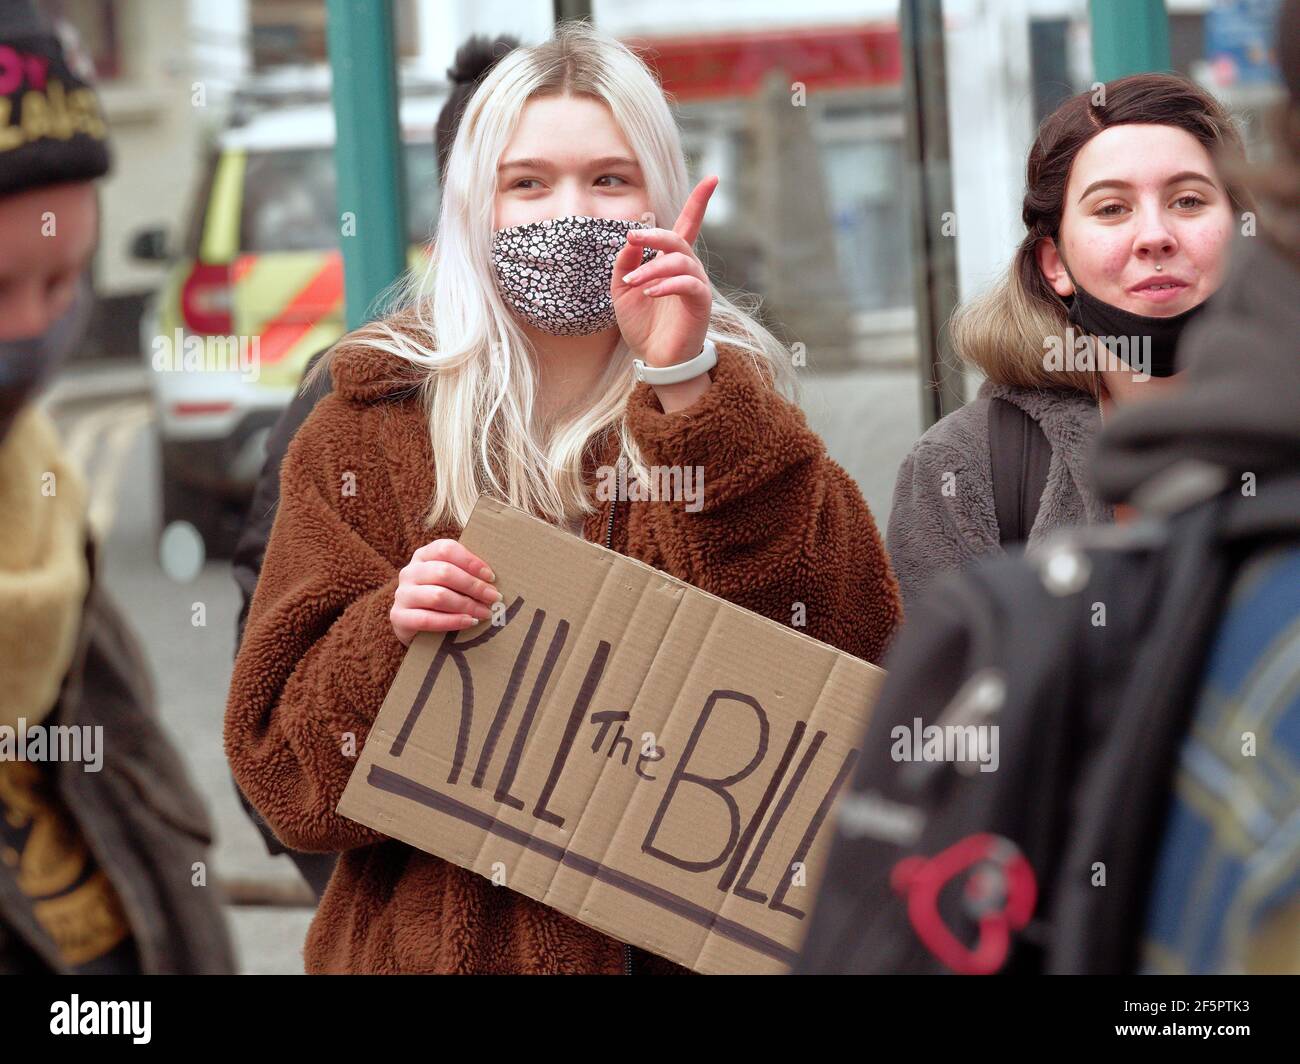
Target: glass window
(289,199)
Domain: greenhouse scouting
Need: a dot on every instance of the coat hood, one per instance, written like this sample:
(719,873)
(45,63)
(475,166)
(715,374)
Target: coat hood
(367,374)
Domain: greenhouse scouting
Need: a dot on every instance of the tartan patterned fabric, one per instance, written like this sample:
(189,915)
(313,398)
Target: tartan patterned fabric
(1226,891)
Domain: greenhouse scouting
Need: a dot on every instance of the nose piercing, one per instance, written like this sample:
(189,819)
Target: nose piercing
(1158,267)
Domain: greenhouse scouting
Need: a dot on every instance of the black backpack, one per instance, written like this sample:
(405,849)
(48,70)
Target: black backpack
(934,870)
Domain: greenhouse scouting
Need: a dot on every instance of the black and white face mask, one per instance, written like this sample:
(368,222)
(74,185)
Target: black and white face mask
(555,274)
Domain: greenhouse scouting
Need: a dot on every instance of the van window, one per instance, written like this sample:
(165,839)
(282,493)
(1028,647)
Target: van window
(290,201)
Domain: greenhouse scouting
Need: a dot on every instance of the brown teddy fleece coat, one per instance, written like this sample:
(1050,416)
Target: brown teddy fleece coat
(780,523)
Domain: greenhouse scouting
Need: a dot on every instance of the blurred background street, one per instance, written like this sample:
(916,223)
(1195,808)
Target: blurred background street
(220,222)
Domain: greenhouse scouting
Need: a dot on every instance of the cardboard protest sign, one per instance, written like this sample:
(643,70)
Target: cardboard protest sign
(630,750)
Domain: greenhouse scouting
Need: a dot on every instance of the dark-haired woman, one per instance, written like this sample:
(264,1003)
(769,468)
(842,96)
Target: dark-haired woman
(1127,224)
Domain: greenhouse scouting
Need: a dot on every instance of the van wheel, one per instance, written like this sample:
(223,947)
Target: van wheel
(217,520)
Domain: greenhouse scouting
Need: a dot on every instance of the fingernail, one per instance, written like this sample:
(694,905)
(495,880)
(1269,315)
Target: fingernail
(488,574)
(627,277)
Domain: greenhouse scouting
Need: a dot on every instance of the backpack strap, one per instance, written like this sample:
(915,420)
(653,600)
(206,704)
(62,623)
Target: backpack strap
(1019,456)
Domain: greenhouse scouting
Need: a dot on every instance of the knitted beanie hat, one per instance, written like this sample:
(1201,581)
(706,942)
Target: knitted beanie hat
(51,127)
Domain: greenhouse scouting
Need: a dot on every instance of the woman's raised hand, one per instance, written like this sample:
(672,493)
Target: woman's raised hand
(663,306)
(444,588)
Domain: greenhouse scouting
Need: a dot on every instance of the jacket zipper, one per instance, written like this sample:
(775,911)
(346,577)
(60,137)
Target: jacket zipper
(609,545)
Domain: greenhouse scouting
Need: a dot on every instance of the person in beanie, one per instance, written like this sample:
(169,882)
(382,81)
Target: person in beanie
(102,837)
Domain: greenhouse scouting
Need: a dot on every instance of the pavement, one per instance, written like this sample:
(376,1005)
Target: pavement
(869,419)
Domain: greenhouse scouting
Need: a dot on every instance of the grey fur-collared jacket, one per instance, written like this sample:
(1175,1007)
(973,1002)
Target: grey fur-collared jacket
(943,515)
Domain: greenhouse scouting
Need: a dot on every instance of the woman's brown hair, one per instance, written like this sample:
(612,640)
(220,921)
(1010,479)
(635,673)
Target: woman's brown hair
(1004,332)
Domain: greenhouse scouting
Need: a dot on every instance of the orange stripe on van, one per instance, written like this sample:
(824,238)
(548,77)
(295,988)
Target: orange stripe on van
(300,315)
(240,267)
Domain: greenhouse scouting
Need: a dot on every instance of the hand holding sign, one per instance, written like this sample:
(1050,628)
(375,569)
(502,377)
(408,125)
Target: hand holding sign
(444,588)
(664,331)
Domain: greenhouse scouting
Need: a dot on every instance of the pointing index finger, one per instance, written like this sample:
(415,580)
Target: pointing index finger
(689,221)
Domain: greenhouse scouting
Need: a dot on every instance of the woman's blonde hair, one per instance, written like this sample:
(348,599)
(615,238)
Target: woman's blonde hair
(480,385)
(1006,331)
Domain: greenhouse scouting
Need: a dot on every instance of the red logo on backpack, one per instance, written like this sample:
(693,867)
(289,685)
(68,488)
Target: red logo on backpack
(999,896)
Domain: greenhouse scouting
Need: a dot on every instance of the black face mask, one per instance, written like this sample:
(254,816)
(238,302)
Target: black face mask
(26,365)
(1089,314)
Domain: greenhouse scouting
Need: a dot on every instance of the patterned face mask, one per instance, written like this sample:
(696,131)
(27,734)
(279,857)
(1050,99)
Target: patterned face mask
(555,274)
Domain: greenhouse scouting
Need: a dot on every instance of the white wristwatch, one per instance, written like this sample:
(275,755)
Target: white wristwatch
(683,371)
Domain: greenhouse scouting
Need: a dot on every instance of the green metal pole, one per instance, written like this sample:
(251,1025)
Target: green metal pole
(1129,37)
(367,151)
(566,10)
(929,171)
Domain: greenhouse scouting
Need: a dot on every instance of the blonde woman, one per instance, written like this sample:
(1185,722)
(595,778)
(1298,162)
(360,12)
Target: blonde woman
(1128,223)
(510,368)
